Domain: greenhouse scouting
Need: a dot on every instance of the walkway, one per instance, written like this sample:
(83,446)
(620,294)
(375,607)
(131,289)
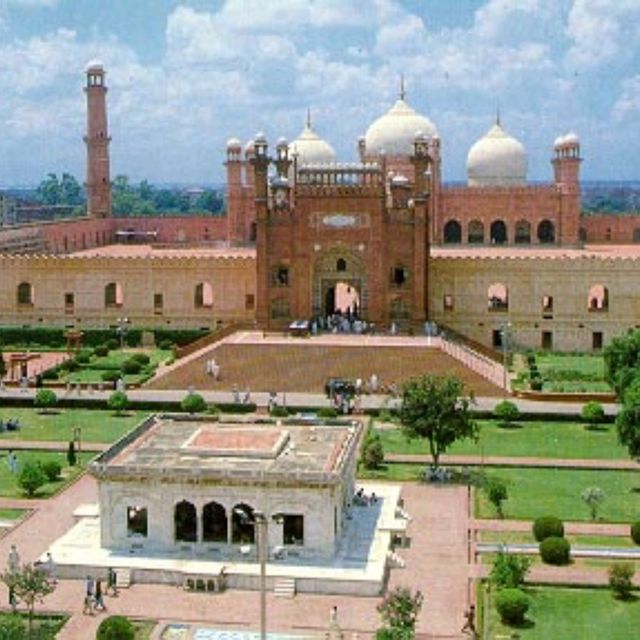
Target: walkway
(50,445)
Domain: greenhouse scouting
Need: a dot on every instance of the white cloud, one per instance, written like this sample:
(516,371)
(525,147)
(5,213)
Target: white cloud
(628,104)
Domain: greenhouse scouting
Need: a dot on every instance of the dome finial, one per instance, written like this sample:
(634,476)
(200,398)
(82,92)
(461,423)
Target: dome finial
(309,117)
(498,113)
(403,93)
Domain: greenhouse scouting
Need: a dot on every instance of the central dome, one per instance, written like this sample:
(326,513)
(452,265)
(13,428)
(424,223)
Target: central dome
(311,148)
(497,159)
(394,132)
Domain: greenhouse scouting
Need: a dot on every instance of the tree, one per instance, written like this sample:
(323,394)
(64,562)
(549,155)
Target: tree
(118,402)
(48,191)
(512,605)
(432,408)
(399,612)
(496,490)
(621,579)
(45,399)
(622,361)
(507,412)
(29,585)
(31,478)
(372,452)
(70,190)
(628,420)
(116,628)
(509,570)
(593,497)
(193,403)
(593,414)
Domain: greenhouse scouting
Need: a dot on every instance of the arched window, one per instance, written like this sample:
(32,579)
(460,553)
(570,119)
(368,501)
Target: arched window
(475,232)
(113,295)
(242,524)
(498,297)
(498,232)
(546,232)
(598,298)
(341,264)
(25,293)
(214,523)
(280,276)
(523,232)
(203,296)
(185,521)
(452,232)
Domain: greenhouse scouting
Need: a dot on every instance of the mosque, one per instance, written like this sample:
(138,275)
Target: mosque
(306,235)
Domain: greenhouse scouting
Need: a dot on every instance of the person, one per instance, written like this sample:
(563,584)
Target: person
(12,462)
(247,397)
(208,366)
(236,394)
(470,621)
(98,599)
(13,562)
(50,568)
(88,596)
(13,601)
(112,580)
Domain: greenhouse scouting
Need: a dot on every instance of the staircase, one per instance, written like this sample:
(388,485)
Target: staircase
(123,578)
(285,588)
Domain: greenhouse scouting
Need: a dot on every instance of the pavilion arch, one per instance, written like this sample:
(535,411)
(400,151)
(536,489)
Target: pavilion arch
(25,294)
(243,524)
(546,232)
(598,298)
(452,233)
(185,520)
(214,523)
(498,297)
(522,232)
(113,295)
(475,232)
(498,232)
(203,296)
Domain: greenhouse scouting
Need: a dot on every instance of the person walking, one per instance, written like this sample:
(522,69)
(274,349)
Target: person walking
(98,600)
(112,579)
(470,622)
(87,608)
(13,561)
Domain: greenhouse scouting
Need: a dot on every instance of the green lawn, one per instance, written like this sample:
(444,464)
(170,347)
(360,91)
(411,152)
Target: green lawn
(144,628)
(539,492)
(393,472)
(11,514)
(562,613)
(8,482)
(95,425)
(536,438)
(523,537)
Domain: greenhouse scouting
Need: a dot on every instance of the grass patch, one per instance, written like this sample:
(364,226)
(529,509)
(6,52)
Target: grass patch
(524,537)
(47,625)
(96,425)
(393,472)
(538,492)
(11,514)
(535,438)
(556,612)
(144,628)
(9,484)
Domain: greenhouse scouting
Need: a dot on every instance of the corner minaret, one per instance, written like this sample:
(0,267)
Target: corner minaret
(98,181)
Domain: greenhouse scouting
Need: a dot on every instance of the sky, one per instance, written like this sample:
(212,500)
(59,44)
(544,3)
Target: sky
(184,76)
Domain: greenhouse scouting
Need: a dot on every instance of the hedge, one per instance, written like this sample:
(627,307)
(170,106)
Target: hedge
(635,532)
(512,605)
(547,527)
(555,550)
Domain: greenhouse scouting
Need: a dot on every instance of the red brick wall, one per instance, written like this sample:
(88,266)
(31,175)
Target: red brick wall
(616,229)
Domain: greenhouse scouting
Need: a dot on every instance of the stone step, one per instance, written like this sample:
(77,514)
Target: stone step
(123,578)
(285,588)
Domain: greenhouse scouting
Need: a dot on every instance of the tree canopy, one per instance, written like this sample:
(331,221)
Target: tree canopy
(622,361)
(434,408)
(65,190)
(628,420)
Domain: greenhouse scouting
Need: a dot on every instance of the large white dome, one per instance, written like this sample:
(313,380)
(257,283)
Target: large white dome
(497,159)
(311,148)
(394,132)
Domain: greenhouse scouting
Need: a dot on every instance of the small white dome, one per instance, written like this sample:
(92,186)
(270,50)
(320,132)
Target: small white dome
(310,148)
(95,64)
(234,143)
(394,132)
(497,159)
(571,138)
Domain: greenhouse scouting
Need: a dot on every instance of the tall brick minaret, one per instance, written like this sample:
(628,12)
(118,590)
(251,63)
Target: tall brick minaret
(98,182)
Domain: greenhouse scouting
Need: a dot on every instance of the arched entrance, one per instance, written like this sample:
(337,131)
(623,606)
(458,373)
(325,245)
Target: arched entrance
(339,284)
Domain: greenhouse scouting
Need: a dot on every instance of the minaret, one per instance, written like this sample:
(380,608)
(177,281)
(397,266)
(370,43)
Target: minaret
(98,182)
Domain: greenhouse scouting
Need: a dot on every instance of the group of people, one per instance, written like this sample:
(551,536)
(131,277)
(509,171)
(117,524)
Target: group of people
(48,568)
(94,593)
(360,499)
(341,323)
(240,398)
(212,368)
(12,424)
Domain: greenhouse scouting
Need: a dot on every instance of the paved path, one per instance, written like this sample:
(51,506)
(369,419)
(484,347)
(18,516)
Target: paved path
(50,445)
(570,528)
(526,461)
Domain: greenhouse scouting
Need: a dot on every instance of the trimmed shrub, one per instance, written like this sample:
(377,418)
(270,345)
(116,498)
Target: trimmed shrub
(180,337)
(278,411)
(372,455)
(507,412)
(509,570)
(116,628)
(45,399)
(193,403)
(327,412)
(592,413)
(50,374)
(536,385)
(112,344)
(547,527)
(52,469)
(110,376)
(118,401)
(142,358)
(165,345)
(555,550)
(496,490)
(31,478)
(69,365)
(131,367)
(512,605)
(101,351)
(621,579)
(635,532)
(83,357)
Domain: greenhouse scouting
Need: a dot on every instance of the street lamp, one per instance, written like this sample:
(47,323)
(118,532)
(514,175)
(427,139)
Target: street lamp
(122,330)
(504,331)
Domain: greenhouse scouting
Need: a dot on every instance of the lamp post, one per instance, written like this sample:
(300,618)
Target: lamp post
(122,330)
(506,326)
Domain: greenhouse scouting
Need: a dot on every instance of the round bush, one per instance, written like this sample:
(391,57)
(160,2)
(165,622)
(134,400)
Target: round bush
(193,403)
(110,376)
(116,628)
(142,358)
(131,367)
(546,527)
(112,344)
(70,365)
(52,469)
(555,550)
(536,385)
(635,532)
(512,605)
(101,351)
(83,357)
(166,345)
